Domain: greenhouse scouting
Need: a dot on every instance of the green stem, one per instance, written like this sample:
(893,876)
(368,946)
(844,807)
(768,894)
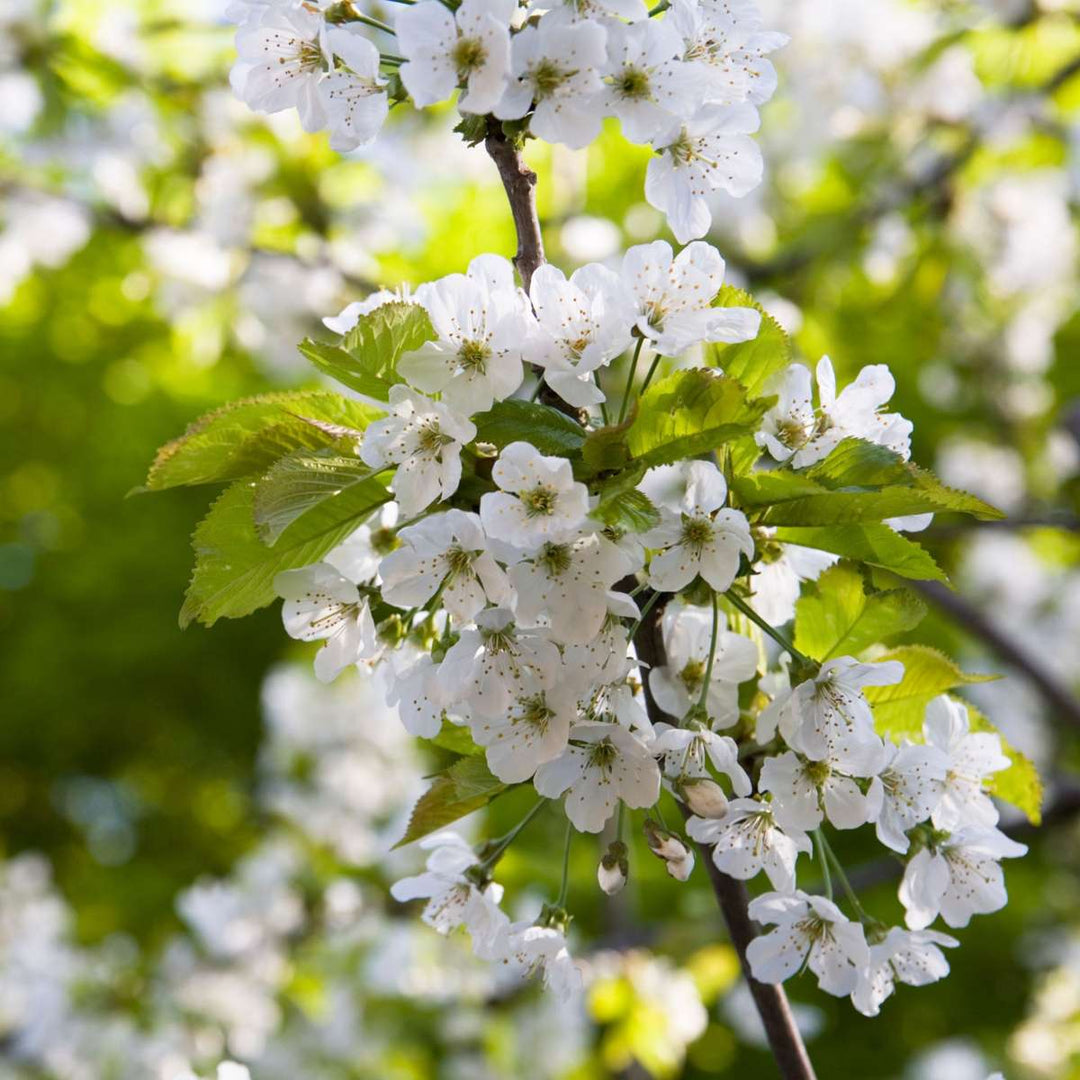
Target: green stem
(712,653)
(820,841)
(650,373)
(566,865)
(849,892)
(537,388)
(391,60)
(630,380)
(378,24)
(662,6)
(511,836)
(754,617)
(644,611)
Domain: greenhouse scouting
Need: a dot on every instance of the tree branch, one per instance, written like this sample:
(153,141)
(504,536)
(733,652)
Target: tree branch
(520,184)
(1060,700)
(772,1004)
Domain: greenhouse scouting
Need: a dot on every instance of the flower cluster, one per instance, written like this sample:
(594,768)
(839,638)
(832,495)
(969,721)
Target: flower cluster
(685,78)
(500,600)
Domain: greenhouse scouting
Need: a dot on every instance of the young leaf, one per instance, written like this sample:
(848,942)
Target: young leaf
(248,436)
(234,570)
(875,545)
(304,479)
(466,786)
(858,463)
(605,449)
(753,362)
(628,510)
(835,616)
(456,738)
(366,360)
(899,709)
(690,413)
(549,430)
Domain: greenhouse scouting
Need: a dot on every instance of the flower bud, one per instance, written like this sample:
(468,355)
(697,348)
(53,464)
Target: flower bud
(681,869)
(704,797)
(614,868)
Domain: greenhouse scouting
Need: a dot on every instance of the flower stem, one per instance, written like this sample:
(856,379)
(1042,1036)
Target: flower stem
(821,842)
(650,373)
(712,653)
(378,24)
(391,60)
(502,844)
(849,892)
(630,380)
(754,617)
(641,618)
(566,865)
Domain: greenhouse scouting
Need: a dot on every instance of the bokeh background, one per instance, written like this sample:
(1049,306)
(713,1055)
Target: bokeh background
(193,832)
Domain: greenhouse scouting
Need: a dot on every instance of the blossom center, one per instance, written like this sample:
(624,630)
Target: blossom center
(633,83)
(547,77)
(458,560)
(555,558)
(692,675)
(535,712)
(541,501)
(696,532)
(474,356)
(468,55)
(602,755)
(792,434)
(431,439)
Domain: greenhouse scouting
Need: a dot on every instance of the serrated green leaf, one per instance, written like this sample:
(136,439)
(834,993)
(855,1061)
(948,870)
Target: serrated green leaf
(234,570)
(301,481)
(605,449)
(875,545)
(835,616)
(366,359)
(1019,784)
(456,738)
(246,437)
(549,430)
(690,413)
(899,709)
(626,510)
(858,463)
(466,786)
(754,362)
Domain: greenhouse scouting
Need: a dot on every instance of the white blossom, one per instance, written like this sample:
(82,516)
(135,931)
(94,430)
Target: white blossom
(445,49)
(556,65)
(447,550)
(585,323)
(603,764)
(487,666)
(805,792)
(602,660)
(913,957)
(677,685)
(906,791)
(353,94)
(566,586)
(647,85)
(674,296)
(687,749)
(709,151)
(533,729)
(452,899)
(957,877)
(777,579)
(694,536)
(483,325)
(747,840)
(416,692)
(829,718)
(539,501)
(809,930)
(423,438)
(971,756)
(543,949)
(321,605)
(280,59)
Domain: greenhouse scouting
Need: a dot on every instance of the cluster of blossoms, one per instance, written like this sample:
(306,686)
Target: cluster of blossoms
(685,78)
(512,612)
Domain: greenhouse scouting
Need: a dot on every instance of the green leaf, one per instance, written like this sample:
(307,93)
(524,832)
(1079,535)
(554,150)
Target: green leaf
(858,463)
(752,363)
(234,570)
(456,738)
(835,616)
(248,436)
(466,786)
(1019,784)
(690,413)
(549,430)
(605,449)
(899,709)
(875,545)
(627,510)
(366,360)
(304,479)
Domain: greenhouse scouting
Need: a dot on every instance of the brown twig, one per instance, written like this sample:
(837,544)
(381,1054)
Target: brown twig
(520,184)
(772,1004)
(1061,701)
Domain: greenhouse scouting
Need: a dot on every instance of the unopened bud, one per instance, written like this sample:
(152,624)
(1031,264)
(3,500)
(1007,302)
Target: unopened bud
(681,869)
(705,798)
(665,844)
(614,868)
